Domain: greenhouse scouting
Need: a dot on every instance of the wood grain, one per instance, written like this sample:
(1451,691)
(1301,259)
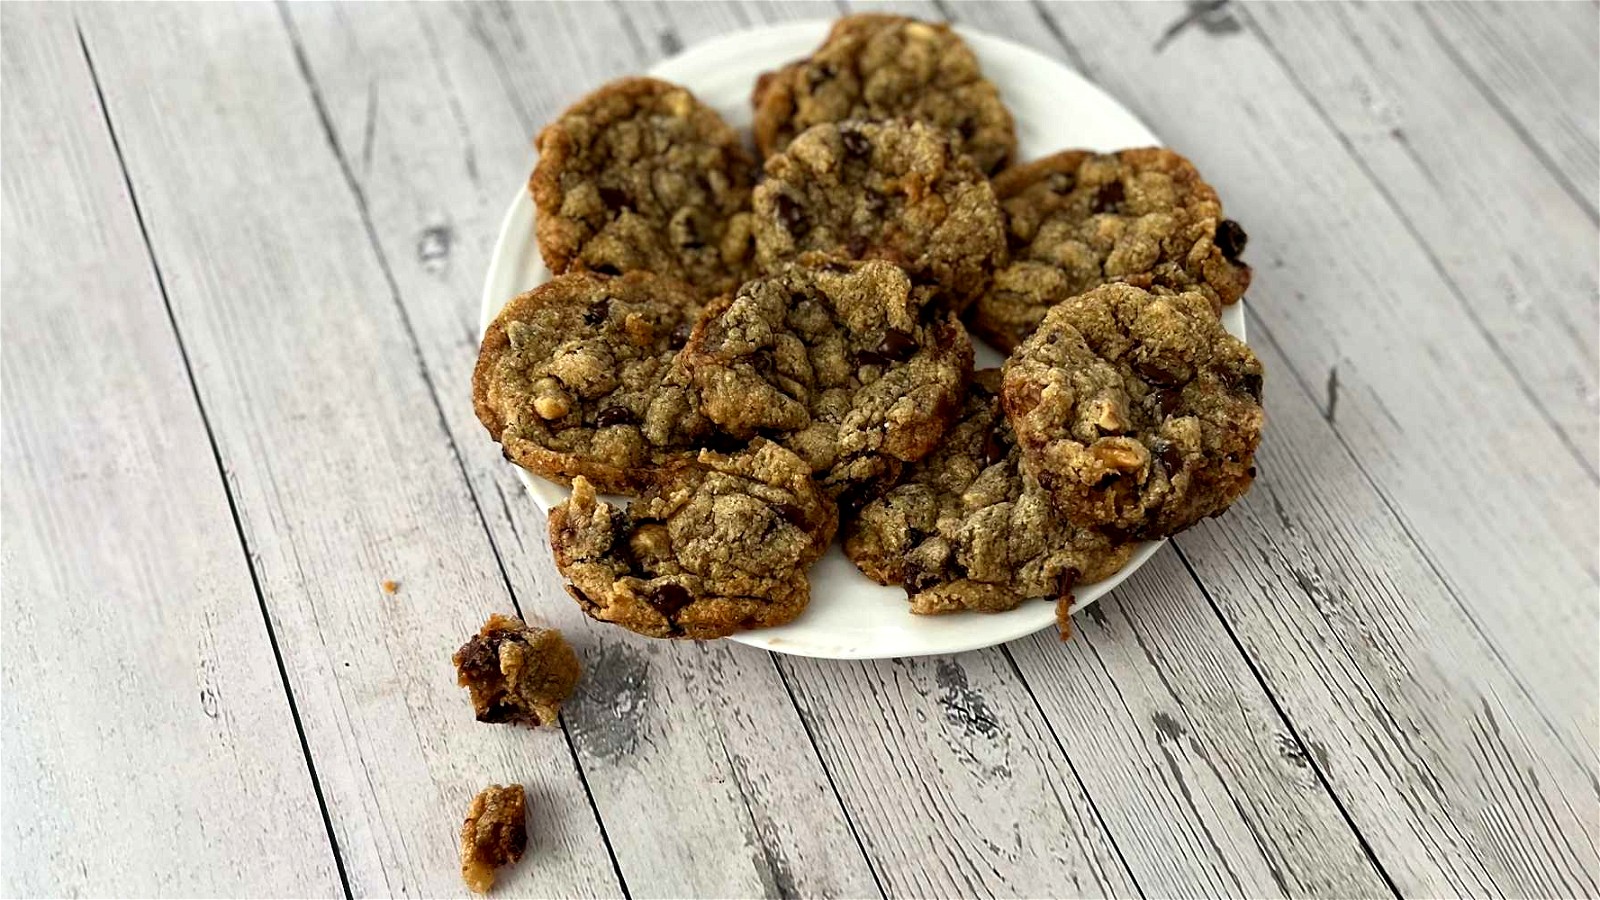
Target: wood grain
(343,474)
(1465,184)
(653,731)
(1537,64)
(1365,322)
(149,745)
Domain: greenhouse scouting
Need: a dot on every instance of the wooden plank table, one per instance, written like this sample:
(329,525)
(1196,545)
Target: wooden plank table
(242,249)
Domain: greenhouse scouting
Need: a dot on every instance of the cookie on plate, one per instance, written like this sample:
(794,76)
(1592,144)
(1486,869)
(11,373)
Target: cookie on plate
(848,364)
(721,545)
(570,379)
(640,176)
(1077,220)
(894,190)
(966,529)
(1135,410)
(876,66)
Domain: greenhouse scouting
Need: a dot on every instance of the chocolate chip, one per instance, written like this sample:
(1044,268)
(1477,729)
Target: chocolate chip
(724,443)
(1250,472)
(613,415)
(1061,182)
(898,345)
(855,143)
(1166,401)
(613,198)
(1066,580)
(669,598)
(816,75)
(793,514)
(597,313)
(1171,457)
(789,214)
(918,580)
(1151,369)
(872,358)
(993,449)
(1231,238)
(1109,197)
(1251,384)
(498,713)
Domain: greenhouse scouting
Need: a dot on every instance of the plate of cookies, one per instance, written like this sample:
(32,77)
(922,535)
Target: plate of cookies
(863,339)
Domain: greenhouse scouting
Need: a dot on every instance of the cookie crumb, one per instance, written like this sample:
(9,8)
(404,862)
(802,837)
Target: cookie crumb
(1064,617)
(494,834)
(391,587)
(516,674)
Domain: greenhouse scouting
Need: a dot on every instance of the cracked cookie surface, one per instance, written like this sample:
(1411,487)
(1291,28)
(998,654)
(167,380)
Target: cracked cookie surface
(516,673)
(722,544)
(1077,220)
(965,529)
(875,66)
(570,379)
(895,191)
(848,364)
(1136,410)
(641,176)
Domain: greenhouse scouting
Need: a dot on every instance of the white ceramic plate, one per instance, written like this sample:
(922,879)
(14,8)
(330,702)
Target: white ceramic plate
(850,617)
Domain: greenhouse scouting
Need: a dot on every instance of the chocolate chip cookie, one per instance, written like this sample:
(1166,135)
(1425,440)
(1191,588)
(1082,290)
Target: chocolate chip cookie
(896,191)
(965,529)
(848,364)
(516,673)
(1077,220)
(721,545)
(875,66)
(494,834)
(1135,410)
(570,379)
(640,176)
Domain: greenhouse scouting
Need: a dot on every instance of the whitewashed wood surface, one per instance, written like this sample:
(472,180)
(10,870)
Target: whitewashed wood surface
(241,247)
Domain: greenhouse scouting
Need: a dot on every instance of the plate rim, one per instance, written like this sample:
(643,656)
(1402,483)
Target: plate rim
(519,220)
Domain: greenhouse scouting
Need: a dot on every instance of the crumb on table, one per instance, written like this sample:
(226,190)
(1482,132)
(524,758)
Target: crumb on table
(494,834)
(391,587)
(516,673)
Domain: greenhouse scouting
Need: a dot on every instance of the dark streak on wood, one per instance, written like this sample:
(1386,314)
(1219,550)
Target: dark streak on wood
(1213,16)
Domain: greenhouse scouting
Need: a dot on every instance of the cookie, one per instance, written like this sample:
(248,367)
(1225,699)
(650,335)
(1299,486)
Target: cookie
(875,66)
(896,191)
(493,835)
(516,673)
(1135,410)
(640,176)
(721,545)
(570,379)
(848,364)
(1077,220)
(966,529)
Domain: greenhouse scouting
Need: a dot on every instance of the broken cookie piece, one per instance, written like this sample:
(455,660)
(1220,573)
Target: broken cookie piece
(494,834)
(516,673)
(720,545)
